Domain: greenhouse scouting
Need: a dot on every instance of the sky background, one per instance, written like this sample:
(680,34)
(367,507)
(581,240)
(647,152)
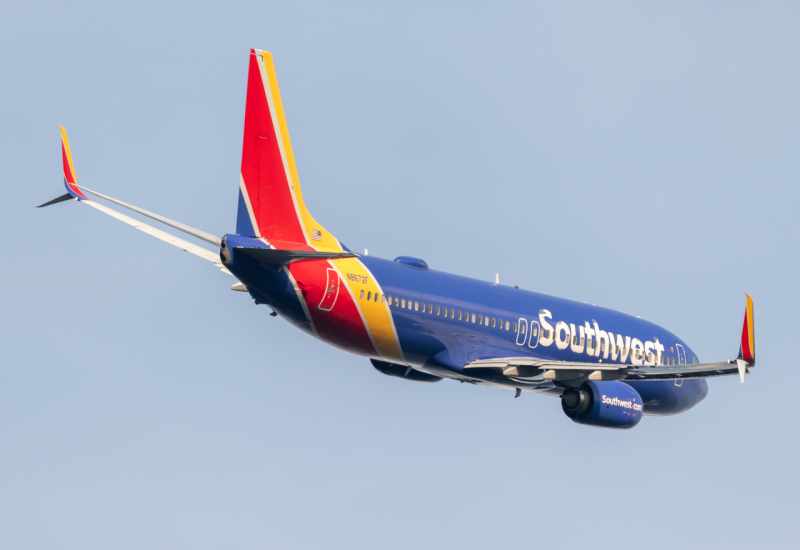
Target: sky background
(640,157)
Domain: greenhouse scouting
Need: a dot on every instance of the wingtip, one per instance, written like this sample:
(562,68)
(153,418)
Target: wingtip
(747,347)
(70,179)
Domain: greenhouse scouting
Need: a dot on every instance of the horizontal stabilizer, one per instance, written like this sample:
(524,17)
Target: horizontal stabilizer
(282,257)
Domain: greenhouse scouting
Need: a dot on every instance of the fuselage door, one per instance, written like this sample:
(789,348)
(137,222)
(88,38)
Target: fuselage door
(522,331)
(681,354)
(331,291)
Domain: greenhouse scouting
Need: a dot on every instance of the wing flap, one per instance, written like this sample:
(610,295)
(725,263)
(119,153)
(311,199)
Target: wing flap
(655,372)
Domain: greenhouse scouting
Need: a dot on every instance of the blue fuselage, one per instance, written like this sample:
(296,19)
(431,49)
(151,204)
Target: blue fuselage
(445,321)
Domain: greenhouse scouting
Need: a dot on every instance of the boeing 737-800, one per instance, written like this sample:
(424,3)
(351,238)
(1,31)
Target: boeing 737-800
(419,324)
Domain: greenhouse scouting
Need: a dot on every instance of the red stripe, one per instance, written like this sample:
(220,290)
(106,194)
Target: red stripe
(747,353)
(67,168)
(262,167)
(342,326)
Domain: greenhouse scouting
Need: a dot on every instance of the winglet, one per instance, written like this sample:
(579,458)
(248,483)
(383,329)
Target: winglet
(747,348)
(70,181)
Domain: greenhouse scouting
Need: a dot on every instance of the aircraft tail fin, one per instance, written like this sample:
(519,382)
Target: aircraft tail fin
(271,202)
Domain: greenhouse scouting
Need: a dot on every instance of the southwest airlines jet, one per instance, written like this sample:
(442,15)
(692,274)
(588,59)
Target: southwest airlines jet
(416,323)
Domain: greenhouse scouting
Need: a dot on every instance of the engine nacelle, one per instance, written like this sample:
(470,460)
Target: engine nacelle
(402,371)
(613,405)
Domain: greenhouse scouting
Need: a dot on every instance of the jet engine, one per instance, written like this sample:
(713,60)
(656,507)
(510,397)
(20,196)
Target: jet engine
(613,405)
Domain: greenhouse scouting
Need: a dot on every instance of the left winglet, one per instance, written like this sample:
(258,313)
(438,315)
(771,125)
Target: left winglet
(747,347)
(70,180)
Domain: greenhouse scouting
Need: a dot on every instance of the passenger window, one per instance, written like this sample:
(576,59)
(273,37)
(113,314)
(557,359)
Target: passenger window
(383,298)
(369,296)
(397,301)
(376,297)
(486,321)
(480,319)
(430,309)
(494,322)
(444,310)
(403,302)
(473,317)
(423,307)
(507,326)
(453,314)
(362,294)
(515,326)
(416,306)
(459,315)
(535,330)
(439,310)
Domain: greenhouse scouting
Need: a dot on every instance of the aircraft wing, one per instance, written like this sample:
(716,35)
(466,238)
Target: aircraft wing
(74,191)
(554,370)
(199,251)
(528,367)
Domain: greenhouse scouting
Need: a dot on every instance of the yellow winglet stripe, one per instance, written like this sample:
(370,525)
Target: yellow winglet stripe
(65,140)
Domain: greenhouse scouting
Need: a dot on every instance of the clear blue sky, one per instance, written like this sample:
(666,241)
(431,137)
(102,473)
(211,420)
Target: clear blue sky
(644,158)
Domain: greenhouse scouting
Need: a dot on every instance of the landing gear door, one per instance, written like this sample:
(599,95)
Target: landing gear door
(331,291)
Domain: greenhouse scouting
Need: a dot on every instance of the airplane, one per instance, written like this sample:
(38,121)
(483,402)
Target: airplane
(412,322)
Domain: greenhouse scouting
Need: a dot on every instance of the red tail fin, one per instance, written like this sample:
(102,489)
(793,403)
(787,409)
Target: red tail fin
(271,203)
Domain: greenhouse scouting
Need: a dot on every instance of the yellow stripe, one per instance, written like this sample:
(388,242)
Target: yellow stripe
(357,277)
(69,153)
(327,241)
(377,315)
